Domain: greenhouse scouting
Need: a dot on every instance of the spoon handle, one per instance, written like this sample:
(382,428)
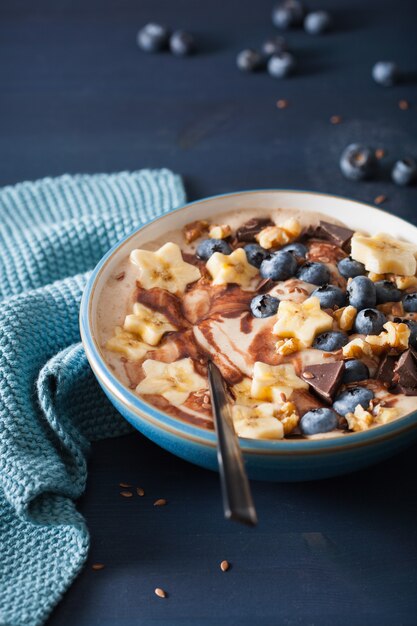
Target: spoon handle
(237,498)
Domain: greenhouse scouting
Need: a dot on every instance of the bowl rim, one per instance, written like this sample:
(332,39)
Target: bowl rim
(197,434)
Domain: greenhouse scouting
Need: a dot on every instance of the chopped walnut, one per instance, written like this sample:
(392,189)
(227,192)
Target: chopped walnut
(288,346)
(345,317)
(356,348)
(360,419)
(375,277)
(194,230)
(396,336)
(405,282)
(273,236)
(397,309)
(288,417)
(219,231)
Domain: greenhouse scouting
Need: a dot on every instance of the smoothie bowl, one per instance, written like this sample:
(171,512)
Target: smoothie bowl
(306,302)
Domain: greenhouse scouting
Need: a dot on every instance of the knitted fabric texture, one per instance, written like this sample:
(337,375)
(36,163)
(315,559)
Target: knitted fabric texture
(52,232)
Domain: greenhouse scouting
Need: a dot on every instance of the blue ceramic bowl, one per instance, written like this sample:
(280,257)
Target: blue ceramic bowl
(284,460)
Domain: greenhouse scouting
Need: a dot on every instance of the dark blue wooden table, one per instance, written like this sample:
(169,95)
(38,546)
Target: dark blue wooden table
(78,96)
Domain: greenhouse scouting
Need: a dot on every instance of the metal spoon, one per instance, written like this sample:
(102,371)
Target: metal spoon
(237,498)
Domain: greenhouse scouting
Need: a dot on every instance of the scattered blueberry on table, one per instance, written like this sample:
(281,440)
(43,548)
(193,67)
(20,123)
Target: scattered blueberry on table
(249,60)
(264,305)
(274,45)
(182,43)
(357,162)
(153,37)
(404,171)
(287,14)
(281,65)
(207,247)
(385,73)
(317,421)
(330,341)
(317,22)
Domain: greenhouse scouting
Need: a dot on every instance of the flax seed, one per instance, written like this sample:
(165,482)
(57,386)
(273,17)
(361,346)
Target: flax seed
(404,105)
(380,199)
(160,502)
(283,396)
(335,119)
(126,494)
(224,566)
(124,485)
(140,491)
(97,566)
(282,103)
(160,593)
(120,276)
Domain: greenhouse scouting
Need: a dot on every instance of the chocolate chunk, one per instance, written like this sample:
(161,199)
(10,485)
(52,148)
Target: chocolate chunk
(385,371)
(405,372)
(247,231)
(324,378)
(339,235)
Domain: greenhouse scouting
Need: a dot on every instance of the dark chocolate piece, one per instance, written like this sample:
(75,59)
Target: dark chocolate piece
(385,371)
(324,379)
(247,231)
(339,235)
(405,372)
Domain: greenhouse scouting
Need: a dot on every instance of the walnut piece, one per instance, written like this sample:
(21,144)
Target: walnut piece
(360,419)
(288,346)
(345,317)
(194,230)
(274,236)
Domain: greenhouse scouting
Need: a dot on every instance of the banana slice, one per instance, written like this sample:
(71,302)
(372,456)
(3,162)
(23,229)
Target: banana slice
(231,268)
(174,381)
(149,325)
(302,321)
(164,268)
(257,422)
(271,381)
(128,345)
(383,254)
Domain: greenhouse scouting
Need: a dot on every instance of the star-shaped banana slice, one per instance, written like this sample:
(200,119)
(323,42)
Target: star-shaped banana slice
(164,268)
(128,345)
(303,321)
(383,254)
(231,268)
(275,383)
(147,324)
(174,381)
(257,422)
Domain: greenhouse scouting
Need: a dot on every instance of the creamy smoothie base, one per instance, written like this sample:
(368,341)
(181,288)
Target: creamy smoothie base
(165,311)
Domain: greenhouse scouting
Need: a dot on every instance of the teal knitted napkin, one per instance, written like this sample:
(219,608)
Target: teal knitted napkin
(52,232)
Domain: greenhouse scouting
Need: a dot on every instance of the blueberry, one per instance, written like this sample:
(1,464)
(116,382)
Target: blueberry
(152,37)
(275,45)
(385,73)
(281,65)
(249,60)
(369,322)
(318,421)
(330,341)
(314,273)
(297,249)
(404,172)
(288,13)
(255,254)
(182,43)
(355,370)
(386,291)
(347,401)
(317,22)
(280,266)
(264,305)
(357,162)
(361,293)
(410,302)
(349,268)
(209,246)
(330,296)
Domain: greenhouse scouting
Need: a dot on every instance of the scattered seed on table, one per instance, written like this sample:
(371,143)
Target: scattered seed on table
(282,104)
(126,494)
(379,153)
(380,199)
(160,502)
(97,566)
(335,119)
(404,105)
(124,485)
(224,566)
(160,593)
(140,491)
